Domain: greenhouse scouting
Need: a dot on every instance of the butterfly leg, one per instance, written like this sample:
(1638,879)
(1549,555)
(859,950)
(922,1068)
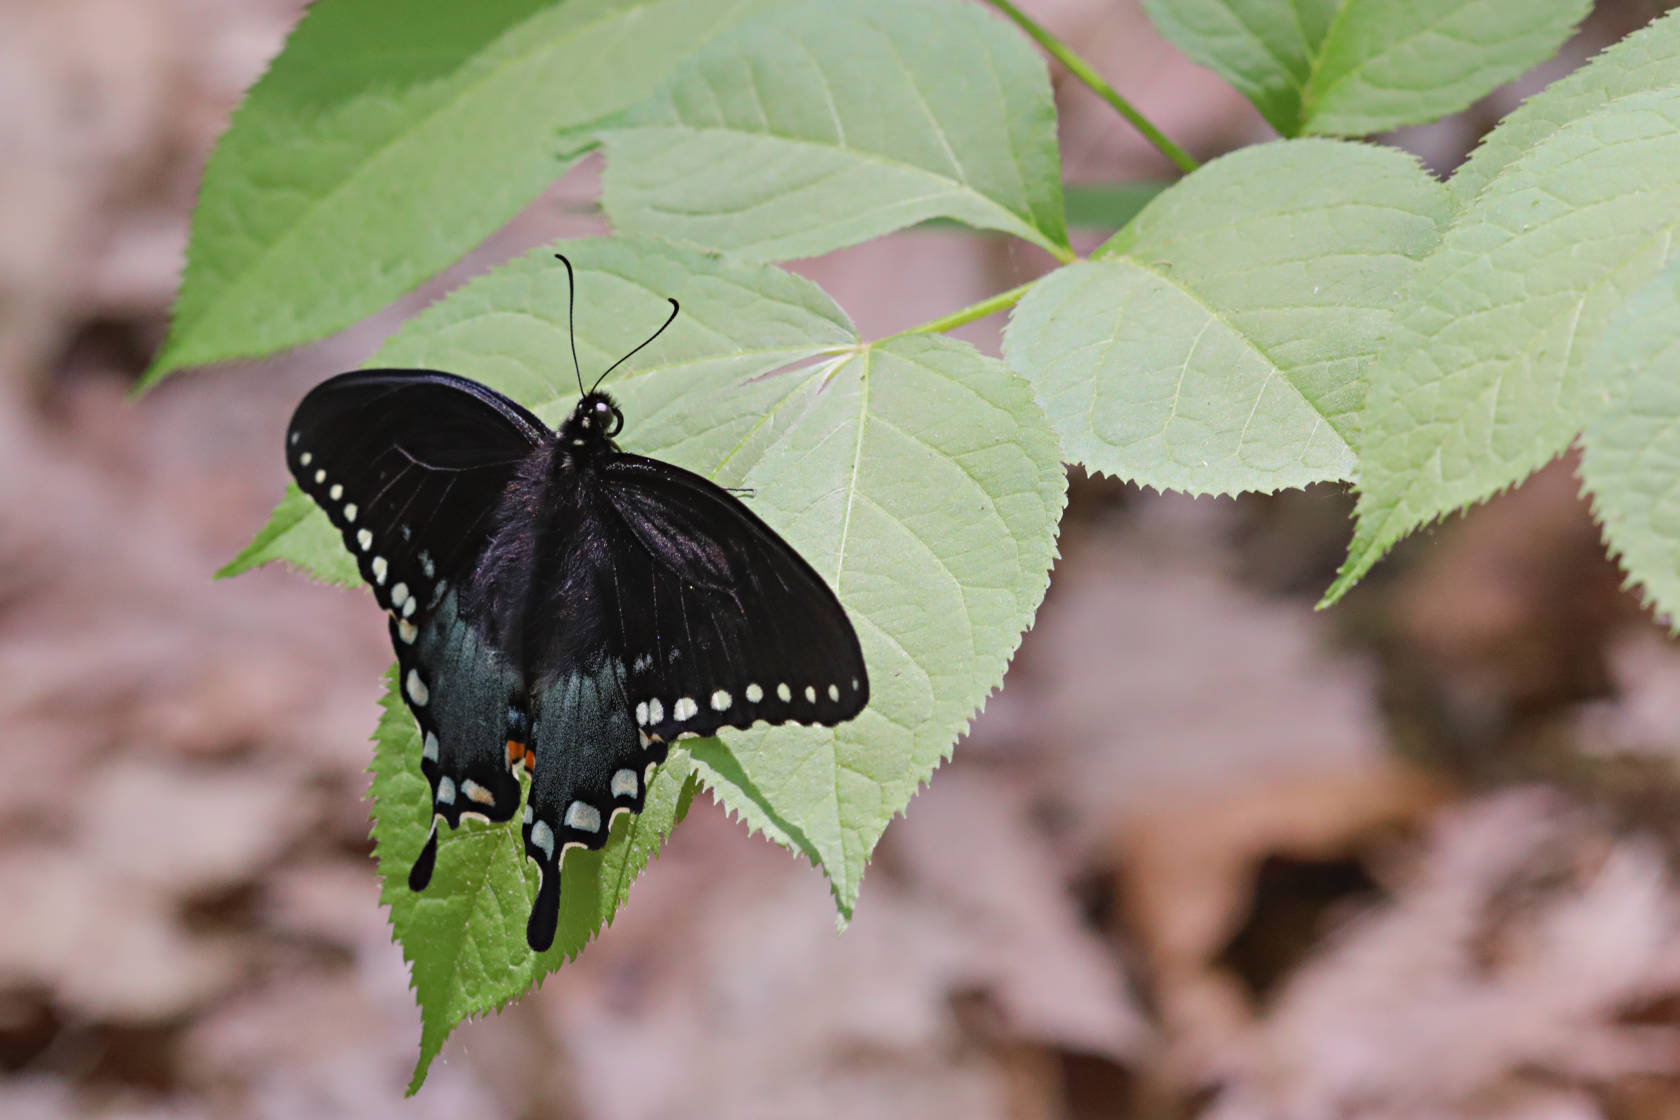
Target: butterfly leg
(592,763)
(465,699)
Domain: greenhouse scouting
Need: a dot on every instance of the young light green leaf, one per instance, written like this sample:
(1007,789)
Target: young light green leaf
(1630,452)
(1485,378)
(1361,66)
(380,147)
(825,125)
(508,329)
(1217,344)
(921,480)
(464,935)
(719,771)
(1647,60)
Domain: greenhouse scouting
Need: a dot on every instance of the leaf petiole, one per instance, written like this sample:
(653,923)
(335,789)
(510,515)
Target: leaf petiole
(991,305)
(1083,70)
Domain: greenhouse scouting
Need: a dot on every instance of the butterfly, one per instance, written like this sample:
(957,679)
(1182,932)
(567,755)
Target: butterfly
(559,606)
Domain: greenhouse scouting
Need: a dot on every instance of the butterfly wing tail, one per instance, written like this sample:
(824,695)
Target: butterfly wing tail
(591,764)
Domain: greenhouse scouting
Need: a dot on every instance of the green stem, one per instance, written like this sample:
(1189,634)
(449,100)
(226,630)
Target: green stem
(989,306)
(1082,70)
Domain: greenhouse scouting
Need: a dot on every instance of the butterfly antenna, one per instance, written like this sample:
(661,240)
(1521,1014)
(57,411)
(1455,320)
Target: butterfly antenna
(668,321)
(571,324)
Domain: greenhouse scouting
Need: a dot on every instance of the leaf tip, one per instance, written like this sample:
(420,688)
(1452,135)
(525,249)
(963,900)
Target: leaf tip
(1363,554)
(161,366)
(238,566)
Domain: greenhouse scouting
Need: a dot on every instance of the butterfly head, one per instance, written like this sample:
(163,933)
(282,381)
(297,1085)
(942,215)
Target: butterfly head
(595,420)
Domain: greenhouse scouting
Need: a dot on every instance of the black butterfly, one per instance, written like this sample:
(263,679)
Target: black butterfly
(560,605)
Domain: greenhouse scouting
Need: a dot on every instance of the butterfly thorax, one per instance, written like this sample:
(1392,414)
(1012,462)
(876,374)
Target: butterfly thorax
(544,575)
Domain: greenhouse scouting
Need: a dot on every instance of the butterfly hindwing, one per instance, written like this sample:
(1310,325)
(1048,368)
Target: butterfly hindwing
(721,622)
(591,764)
(466,697)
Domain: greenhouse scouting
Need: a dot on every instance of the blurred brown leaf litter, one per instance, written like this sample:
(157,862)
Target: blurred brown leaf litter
(1210,854)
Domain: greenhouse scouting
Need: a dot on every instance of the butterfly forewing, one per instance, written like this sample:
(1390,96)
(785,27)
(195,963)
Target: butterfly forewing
(409,465)
(722,623)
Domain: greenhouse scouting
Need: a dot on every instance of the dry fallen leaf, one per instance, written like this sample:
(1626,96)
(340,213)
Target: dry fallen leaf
(1526,935)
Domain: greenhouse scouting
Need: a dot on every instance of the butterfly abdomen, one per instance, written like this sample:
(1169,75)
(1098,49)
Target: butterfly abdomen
(526,590)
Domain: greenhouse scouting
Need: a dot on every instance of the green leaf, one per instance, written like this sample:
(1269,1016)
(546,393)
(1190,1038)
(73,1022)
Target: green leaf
(1647,60)
(917,475)
(1389,63)
(1362,66)
(1217,345)
(464,935)
(1485,377)
(824,125)
(298,534)
(1264,48)
(1630,453)
(380,147)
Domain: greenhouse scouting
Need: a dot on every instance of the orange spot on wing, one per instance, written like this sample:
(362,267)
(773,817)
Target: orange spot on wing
(516,751)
